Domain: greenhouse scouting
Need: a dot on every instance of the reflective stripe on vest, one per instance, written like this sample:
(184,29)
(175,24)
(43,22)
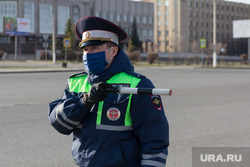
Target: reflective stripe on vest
(80,84)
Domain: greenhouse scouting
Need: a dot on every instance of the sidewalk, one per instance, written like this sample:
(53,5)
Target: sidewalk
(37,66)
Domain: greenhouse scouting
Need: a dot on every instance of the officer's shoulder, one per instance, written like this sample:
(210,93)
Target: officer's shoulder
(137,75)
(145,82)
(78,75)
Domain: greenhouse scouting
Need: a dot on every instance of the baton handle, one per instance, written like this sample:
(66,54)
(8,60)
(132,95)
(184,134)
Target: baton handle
(141,91)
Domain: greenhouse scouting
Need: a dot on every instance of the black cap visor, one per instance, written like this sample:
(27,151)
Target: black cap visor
(92,43)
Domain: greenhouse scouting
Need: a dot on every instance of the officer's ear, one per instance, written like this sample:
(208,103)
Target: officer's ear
(114,51)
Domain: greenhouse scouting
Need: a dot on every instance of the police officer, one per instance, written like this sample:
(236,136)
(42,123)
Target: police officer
(110,129)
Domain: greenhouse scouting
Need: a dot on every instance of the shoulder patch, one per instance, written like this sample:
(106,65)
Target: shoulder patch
(78,74)
(156,101)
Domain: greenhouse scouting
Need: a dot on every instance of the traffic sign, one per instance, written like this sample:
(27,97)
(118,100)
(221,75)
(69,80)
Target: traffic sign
(45,36)
(203,43)
(45,45)
(66,42)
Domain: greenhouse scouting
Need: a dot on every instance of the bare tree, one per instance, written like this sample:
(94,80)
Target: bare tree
(195,47)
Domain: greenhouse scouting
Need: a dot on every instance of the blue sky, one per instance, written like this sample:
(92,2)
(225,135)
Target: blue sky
(241,1)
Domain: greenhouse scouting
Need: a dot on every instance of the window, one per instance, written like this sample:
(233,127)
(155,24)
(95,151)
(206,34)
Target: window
(166,23)
(144,20)
(201,15)
(207,5)
(29,13)
(166,2)
(190,33)
(159,23)
(195,34)
(190,13)
(158,13)
(150,20)
(201,34)
(159,33)
(111,16)
(166,33)
(75,14)
(190,3)
(4,40)
(150,33)
(45,19)
(63,15)
(118,17)
(138,19)
(7,9)
(166,43)
(97,14)
(195,24)
(23,40)
(166,12)
(125,18)
(131,19)
(190,23)
(195,4)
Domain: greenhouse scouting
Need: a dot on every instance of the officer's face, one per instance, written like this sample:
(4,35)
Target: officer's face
(94,49)
(109,52)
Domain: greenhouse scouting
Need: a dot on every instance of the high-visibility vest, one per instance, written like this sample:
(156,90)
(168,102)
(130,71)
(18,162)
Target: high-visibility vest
(79,84)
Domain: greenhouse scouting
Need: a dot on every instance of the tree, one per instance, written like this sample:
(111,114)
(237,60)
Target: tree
(70,33)
(195,47)
(131,48)
(135,36)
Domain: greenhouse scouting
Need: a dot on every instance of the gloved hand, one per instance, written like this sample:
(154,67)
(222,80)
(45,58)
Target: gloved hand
(97,93)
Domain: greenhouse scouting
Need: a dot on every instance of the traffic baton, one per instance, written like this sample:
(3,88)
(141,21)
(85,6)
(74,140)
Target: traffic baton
(140,91)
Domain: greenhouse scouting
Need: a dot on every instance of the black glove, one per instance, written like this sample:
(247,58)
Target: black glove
(97,93)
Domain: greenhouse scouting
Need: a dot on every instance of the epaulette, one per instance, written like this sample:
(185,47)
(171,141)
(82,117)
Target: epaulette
(78,75)
(137,75)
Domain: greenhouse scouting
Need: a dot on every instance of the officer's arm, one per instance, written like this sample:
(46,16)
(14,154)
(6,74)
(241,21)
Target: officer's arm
(67,113)
(150,126)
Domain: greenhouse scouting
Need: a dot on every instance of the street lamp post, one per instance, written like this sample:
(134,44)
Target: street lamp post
(53,36)
(214,35)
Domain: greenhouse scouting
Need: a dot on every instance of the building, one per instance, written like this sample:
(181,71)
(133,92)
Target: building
(41,12)
(123,12)
(180,24)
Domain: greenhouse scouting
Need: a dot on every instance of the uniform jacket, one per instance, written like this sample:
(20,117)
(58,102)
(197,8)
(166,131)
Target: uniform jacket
(145,144)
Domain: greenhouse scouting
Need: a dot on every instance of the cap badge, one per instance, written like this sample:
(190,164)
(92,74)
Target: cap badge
(87,35)
(113,114)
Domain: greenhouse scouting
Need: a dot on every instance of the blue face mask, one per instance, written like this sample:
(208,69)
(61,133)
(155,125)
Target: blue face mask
(95,63)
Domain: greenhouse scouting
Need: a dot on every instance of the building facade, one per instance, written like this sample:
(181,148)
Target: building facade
(123,12)
(180,24)
(163,25)
(41,14)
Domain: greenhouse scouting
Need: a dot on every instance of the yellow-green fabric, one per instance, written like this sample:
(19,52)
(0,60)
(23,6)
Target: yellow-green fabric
(80,84)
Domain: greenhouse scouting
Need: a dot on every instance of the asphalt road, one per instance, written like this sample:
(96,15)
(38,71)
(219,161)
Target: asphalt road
(208,108)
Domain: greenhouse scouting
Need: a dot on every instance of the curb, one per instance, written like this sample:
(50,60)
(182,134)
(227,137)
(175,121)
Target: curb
(38,71)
